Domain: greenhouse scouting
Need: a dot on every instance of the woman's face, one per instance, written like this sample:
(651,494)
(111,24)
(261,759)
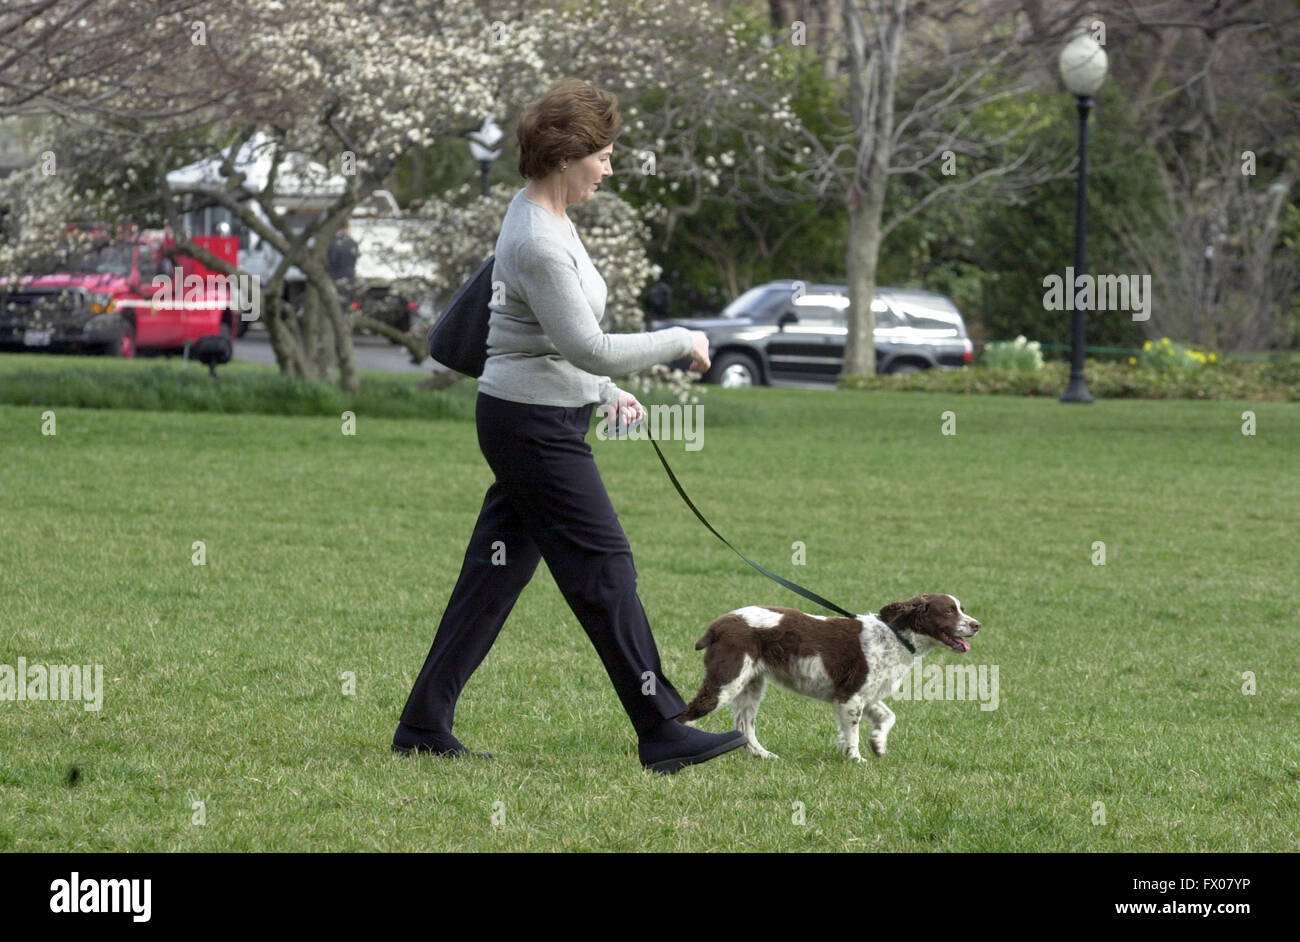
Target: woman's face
(583,178)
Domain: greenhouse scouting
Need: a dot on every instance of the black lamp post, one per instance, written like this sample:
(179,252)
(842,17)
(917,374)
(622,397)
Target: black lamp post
(1083,69)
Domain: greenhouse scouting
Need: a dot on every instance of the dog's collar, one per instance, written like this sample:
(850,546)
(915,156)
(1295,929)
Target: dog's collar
(899,635)
(901,640)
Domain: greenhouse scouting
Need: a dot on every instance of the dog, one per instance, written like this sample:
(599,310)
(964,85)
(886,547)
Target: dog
(852,663)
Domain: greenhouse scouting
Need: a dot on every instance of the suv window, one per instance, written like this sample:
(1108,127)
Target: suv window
(885,316)
(923,319)
(759,303)
(821,310)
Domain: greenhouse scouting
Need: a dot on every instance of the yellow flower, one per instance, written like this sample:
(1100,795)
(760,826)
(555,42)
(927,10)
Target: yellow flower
(1213,358)
(1197,356)
(1147,345)
(1132,361)
(1165,342)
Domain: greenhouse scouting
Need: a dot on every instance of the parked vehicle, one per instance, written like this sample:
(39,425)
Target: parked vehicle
(374,265)
(388,268)
(104,300)
(774,334)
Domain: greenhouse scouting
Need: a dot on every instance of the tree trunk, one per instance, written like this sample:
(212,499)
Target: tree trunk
(875,47)
(441,380)
(865,212)
(286,336)
(322,342)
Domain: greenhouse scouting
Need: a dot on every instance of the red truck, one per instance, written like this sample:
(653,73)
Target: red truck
(126,296)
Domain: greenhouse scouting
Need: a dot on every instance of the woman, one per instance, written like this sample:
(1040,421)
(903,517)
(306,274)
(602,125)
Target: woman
(545,373)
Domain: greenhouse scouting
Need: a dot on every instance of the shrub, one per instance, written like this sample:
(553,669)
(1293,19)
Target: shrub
(1019,354)
(1167,355)
(1231,379)
(173,387)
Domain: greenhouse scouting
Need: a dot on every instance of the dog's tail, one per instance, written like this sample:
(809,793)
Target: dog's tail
(706,701)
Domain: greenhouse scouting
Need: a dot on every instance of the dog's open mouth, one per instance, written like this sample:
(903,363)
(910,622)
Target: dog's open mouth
(960,645)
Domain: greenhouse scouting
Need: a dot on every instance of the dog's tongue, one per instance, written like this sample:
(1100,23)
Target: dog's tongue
(965,645)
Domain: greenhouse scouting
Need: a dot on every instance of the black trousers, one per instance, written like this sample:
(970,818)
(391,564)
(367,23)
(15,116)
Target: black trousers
(548,502)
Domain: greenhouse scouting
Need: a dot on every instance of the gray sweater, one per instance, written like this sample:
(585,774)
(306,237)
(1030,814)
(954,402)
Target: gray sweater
(545,345)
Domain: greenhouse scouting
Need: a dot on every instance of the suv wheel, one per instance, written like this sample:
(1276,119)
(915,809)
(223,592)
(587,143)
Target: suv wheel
(735,370)
(905,367)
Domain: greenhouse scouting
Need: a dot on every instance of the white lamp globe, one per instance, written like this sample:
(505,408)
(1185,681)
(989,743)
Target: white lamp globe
(1083,65)
(483,141)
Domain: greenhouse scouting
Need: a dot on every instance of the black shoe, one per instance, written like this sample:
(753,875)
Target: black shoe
(411,741)
(672,746)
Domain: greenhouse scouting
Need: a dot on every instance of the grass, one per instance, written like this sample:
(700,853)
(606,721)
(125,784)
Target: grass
(1120,684)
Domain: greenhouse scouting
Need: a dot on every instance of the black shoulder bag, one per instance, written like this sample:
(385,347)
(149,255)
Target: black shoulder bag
(458,339)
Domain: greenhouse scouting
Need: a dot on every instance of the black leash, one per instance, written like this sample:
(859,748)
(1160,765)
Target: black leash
(792,586)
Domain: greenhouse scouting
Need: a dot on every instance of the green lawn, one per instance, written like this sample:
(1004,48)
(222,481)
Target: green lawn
(1120,683)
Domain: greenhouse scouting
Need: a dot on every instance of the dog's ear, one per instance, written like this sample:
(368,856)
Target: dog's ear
(905,615)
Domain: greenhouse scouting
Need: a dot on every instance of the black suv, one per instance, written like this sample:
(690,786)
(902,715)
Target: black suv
(792,333)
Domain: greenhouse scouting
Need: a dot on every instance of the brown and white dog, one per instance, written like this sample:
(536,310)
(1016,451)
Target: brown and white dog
(852,663)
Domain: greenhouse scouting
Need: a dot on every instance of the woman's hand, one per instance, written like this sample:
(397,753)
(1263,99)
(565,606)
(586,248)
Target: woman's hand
(700,355)
(628,411)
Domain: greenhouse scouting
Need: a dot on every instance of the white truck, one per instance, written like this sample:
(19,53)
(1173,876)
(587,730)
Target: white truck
(391,271)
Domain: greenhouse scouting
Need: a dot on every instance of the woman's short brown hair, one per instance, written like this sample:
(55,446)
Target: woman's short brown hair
(572,120)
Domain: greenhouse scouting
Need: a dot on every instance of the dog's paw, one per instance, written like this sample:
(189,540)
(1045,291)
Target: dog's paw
(762,753)
(877,746)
